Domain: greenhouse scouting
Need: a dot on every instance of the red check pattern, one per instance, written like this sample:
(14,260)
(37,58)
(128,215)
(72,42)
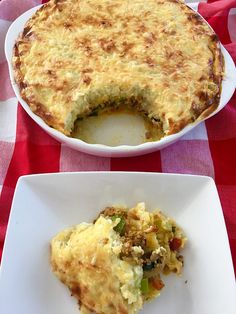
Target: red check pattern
(210,149)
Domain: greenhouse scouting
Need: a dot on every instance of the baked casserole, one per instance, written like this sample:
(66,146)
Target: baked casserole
(116,264)
(77,58)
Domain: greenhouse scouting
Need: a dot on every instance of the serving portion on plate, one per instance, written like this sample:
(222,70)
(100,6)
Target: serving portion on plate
(45,205)
(116,264)
(158,59)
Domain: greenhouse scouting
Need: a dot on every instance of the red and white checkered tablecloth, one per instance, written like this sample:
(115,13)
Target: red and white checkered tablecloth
(210,149)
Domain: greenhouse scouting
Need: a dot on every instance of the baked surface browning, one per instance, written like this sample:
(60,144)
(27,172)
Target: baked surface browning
(158,57)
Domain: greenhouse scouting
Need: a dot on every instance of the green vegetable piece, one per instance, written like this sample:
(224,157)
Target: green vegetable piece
(121,225)
(113,218)
(144,285)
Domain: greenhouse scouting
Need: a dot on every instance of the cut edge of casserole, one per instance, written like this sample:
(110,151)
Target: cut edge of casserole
(72,61)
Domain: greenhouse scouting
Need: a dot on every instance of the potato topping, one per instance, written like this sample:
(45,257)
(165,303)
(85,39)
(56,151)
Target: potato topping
(157,57)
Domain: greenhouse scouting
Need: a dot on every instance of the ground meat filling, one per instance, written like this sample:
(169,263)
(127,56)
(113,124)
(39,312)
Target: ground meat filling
(135,248)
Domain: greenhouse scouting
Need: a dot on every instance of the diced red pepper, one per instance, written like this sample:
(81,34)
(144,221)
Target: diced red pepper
(157,283)
(175,244)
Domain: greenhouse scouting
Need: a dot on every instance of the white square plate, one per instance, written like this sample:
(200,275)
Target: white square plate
(45,204)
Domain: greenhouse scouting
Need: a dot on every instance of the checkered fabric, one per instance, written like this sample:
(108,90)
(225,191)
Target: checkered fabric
(210,149)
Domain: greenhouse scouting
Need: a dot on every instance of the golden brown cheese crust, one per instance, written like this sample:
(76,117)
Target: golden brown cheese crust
(83,259)
(158,55)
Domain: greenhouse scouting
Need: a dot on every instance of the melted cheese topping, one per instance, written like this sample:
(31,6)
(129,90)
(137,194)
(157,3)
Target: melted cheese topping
(86,259)
(157,56)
